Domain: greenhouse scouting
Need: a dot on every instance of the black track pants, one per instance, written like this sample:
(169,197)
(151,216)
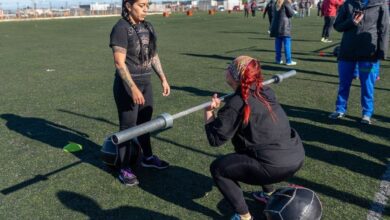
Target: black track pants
(228,170)
(328,25)
(131,114)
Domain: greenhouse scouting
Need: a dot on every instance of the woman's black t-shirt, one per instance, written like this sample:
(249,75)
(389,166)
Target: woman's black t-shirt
(133,39)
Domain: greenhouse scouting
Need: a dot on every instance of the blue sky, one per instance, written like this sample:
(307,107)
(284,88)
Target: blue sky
(12,4)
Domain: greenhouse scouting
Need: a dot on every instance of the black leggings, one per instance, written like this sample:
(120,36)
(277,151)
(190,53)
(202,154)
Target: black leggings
(131,114)
(327,26)
(228,170)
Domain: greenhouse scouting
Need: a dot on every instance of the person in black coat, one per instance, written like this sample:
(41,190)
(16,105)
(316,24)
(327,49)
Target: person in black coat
(365,41)
(281,30)
(268,10)
(267,149)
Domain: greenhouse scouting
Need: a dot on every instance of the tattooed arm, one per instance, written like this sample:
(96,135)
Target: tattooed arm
(156,64)
(120,64)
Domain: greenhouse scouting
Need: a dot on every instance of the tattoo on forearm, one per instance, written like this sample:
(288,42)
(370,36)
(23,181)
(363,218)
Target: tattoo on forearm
(156,64)
(119,49)
(125,75)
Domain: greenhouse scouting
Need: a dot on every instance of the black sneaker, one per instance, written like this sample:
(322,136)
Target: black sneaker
(127,177)
(155,162)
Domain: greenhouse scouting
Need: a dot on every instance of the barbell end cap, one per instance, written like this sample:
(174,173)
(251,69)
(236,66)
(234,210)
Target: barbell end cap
(278,78)
(114,139)
(168,120)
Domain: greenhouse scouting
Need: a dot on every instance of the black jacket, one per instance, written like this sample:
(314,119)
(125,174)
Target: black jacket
(281,20)
(269,9)
(367,41)
(270,142)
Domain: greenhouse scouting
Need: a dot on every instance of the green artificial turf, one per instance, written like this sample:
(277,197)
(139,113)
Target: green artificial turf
(56,87)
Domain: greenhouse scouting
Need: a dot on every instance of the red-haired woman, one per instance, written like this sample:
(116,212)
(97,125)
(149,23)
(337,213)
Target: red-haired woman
(267,149)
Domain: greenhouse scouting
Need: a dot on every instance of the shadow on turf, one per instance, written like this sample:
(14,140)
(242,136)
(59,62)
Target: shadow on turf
(353,85)
(333,137)
(293,52)
(54,135)
(329,191)
(273,39)
(285,68)
(93,210)
(354,163)
(241,32)
(87,116)
(318,60)
(213,56)
(196,91)
(193,149)
(265,67)
(179,186)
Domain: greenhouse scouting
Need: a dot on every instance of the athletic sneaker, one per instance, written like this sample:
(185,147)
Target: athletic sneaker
(154,162)
(325,40)
(238,217)
(262,196)
(279,62)
(127,177)
(366,120)
(292,63)
(336,115)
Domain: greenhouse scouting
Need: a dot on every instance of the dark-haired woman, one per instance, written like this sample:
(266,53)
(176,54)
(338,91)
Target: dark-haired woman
(133,42)
(267,149)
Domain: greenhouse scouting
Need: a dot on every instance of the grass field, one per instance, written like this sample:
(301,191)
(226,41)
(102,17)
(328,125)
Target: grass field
(56,87)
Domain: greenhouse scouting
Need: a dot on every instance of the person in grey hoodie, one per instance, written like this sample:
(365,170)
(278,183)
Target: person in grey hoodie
(281,30)
(365,40)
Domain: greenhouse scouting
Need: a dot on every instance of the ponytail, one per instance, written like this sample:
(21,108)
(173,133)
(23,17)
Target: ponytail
(125,11)
(252,76)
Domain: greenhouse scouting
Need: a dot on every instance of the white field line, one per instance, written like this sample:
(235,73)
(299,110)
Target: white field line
(66,17)
(381,197)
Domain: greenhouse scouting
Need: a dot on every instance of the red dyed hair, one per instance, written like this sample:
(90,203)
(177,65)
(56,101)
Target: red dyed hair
(252,76)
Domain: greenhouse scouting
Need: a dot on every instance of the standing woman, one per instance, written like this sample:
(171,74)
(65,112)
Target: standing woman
(329,11)
(133,42)
(267,149)
(281,30)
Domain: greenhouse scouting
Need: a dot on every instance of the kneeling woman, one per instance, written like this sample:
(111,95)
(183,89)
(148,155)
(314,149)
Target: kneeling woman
(267,149)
